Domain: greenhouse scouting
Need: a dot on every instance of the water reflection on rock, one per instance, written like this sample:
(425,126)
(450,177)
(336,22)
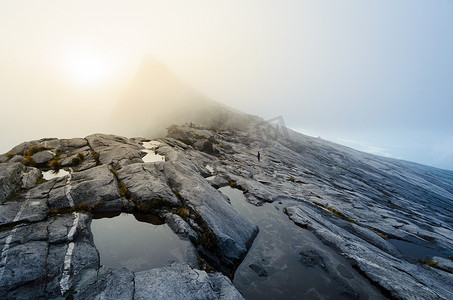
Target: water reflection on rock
(295,263)
(136,241)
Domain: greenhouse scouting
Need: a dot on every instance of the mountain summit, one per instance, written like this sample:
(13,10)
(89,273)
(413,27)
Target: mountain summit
(157,98)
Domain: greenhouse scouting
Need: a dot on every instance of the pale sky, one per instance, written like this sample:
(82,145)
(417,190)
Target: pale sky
(373,75)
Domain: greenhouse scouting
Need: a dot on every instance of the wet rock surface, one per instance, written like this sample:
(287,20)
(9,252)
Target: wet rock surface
(353,202)
(258,270)
(312,258)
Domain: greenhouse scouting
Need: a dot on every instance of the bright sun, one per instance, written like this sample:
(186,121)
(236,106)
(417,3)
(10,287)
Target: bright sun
(85,68)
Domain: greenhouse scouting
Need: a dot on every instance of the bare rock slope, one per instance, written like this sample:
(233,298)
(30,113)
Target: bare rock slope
(372,210)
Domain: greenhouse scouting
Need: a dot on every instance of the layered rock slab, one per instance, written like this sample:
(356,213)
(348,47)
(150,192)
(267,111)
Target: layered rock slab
(403,279)
(234,233)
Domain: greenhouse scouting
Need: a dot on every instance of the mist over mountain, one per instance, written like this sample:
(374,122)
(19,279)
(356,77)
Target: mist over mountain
(157,98)
(231,150)
(249,198)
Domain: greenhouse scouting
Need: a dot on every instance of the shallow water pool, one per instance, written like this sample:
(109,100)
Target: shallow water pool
(136,242)
(49,175)
(415,251)
(151,154)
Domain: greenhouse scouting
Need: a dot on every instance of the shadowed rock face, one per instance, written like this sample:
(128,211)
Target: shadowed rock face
(354,202)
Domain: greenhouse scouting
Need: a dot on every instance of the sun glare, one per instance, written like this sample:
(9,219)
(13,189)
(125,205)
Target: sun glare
(86,68)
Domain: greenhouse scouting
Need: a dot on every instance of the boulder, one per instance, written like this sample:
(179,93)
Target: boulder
(20,149)
(234,233)
(68,145)
(88,188)
(58,199)
(93,186)
(30,177)
(114,150)
(219,181)
(43,157)
(71,252)
(148,185)
(179,281)
(10,179)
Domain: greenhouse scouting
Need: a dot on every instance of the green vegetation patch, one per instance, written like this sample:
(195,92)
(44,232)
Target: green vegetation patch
(205,266)
(184,213)
(433,264)
(35,149)
(28,161)
(234,185)
(95,157)
(178,195)
(55,164)
(81,156)
(40,180)
(124,192)
(10,155)
(382,235)
(336,212)
(83,206)
(77,160)
(316,195)
(208,147)
(150,206)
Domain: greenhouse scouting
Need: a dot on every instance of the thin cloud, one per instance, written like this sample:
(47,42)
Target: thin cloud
(366,147)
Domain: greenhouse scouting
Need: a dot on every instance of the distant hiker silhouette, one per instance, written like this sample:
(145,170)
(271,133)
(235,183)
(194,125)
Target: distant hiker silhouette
(258,155)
